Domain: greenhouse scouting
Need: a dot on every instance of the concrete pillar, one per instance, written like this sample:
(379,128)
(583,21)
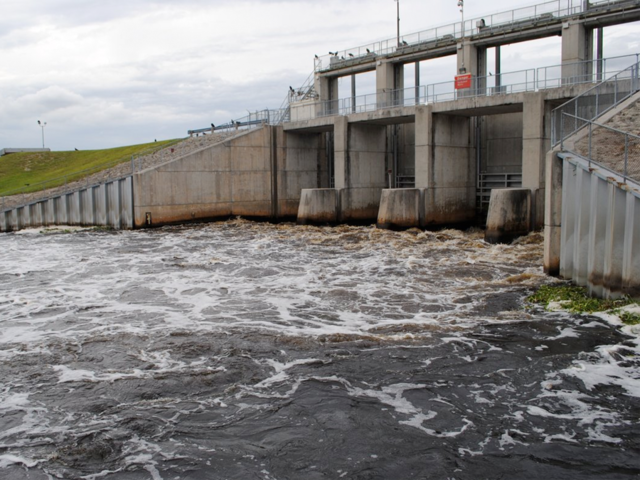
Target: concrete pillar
(363,172)
(553,214)
(424,146)
(468,59)
(341,151)
(319,206)
(400,208)
(535,145)
(451,171)
(582,212)
(509,215)
(389,77)
(327,90)
(576,47)
(568,218)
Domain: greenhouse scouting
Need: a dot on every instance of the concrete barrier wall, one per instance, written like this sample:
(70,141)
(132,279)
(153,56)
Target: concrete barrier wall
(600,236)
(109,204)
(257,174)
(302,163)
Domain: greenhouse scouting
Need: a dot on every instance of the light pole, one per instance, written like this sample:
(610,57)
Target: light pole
(461,5)
(42,125)
(398,20)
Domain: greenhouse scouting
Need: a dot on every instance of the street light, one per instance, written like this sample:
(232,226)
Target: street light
(461,5)
(42,125)
(398,20)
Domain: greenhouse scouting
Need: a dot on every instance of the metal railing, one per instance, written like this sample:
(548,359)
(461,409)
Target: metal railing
(575,114)
(610,148)
(253,120)
(523,17)
(489,181)
(490,85)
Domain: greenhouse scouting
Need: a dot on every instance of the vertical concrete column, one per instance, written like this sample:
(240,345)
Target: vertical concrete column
(364,172)
(424,146)
(576,47)
(327,90)
(553,214)
(451,194)
(341,151)
(535,145)
(389,77)
(468,59)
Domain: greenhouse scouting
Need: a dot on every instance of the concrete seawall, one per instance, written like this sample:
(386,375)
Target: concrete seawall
(108,204)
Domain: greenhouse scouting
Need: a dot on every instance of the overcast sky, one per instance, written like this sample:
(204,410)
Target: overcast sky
(106,73)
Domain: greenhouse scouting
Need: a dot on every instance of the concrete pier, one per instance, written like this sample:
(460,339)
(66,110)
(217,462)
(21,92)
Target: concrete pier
(509,215)
(401,208)
(319,206)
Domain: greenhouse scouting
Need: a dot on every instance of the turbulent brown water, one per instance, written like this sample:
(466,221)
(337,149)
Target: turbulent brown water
(238,350)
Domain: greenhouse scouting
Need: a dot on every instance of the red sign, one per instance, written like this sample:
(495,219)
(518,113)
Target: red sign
(463,81)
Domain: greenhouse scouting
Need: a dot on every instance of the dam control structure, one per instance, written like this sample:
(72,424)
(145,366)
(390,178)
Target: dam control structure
(424,156)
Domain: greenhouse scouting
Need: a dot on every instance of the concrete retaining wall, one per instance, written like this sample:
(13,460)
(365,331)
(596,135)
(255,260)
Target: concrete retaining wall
(600,235)
(108,204)
(257,174)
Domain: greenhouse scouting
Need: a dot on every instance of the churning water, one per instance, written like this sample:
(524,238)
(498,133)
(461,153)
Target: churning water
(237,350)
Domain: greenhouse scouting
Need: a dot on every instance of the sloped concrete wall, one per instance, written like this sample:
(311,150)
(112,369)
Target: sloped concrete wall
(108,204)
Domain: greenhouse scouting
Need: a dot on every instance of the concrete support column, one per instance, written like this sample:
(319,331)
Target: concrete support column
(468,59)
(327,90)
(535,145)
(450,172)
(614,241)
(424,146)
(576,47)
(341,151)
(553,214)
(631,249)
(389,77)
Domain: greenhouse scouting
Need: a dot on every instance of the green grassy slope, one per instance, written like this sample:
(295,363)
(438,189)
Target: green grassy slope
(28,170)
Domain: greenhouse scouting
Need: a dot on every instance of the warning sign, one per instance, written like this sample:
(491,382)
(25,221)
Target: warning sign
(463,81)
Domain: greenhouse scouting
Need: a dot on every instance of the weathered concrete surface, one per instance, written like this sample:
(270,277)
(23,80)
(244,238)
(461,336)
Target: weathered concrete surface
(108,204)
(319,206)
(259,173)
(400,208)
(509,215)
(600,239)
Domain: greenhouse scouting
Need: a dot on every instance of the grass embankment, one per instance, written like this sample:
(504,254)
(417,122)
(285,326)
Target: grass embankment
(41,170)
(576,299)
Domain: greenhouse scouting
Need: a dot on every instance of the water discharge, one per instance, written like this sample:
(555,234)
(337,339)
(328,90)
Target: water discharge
(243,350)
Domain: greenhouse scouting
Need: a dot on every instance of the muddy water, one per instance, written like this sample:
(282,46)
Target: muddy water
(251,351)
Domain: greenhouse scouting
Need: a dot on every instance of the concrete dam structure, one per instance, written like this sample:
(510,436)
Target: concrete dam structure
(425,156)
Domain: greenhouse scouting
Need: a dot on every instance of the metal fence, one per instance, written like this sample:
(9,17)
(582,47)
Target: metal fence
(490,85)
(575,114)
(523,17)
(610,148)
(253,120)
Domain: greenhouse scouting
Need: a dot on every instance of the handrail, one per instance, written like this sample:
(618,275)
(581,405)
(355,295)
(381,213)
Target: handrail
(627,148)
(523,16)
(505,83)
(594,102)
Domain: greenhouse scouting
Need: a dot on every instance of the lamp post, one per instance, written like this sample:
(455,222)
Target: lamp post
(398,20)
(42,125)
(461,5)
